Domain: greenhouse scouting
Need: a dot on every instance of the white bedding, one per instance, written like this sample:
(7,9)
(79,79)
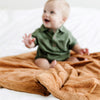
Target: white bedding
(84,23)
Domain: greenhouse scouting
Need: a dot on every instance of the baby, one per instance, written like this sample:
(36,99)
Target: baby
(53,39)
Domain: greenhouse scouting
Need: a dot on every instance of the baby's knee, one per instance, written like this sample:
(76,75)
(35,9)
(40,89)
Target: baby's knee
(41,61)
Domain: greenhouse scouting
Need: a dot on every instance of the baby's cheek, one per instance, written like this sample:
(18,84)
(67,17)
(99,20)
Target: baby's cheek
(55,21)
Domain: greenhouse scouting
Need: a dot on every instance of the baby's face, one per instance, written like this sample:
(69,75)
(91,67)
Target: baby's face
(52,16)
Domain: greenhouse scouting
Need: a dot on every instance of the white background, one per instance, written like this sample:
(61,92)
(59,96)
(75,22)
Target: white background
(31,4)
(83,23)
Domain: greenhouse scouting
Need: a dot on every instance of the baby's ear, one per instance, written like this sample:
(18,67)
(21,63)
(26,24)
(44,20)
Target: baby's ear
(64,19)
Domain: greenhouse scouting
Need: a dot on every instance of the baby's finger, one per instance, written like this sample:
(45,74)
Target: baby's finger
(33,39)
(30,35)
(87,51)
(26,35)
(82,51)
(23,37)
(24,41)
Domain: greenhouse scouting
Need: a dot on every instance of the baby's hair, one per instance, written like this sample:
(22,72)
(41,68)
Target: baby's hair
(65,7)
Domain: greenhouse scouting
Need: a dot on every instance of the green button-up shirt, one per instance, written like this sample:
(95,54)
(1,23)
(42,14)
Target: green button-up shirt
(53,46)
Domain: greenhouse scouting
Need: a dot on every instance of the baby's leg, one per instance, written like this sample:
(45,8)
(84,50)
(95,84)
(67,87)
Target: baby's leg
(44,63)
(73,59)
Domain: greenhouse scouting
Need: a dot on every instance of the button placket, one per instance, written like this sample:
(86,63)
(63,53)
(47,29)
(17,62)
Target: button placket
(54,37)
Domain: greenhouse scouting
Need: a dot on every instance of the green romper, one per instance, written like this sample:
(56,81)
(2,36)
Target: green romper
(53,46)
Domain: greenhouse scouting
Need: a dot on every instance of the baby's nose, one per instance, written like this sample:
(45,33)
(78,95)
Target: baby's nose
(47,15)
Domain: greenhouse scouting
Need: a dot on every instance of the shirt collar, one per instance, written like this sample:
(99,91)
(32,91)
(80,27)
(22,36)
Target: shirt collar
(43,28)
(62,29)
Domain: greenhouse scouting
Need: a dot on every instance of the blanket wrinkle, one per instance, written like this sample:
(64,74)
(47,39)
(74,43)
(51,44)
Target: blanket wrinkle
(52,86)
(66,81)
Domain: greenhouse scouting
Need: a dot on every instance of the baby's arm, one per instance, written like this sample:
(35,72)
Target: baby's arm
(29,41)
(80,50)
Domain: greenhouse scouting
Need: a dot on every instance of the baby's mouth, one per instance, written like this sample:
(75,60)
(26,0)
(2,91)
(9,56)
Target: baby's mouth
(46,20)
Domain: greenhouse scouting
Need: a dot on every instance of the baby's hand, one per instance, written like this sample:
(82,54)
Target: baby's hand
(84,51)
(29,41)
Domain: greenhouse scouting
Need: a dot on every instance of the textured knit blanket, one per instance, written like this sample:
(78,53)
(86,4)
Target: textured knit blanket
(67,81)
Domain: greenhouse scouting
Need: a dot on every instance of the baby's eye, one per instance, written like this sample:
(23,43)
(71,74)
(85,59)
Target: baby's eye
(44,11)
(52,12)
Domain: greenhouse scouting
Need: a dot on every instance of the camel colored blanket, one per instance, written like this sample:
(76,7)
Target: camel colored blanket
(67,81)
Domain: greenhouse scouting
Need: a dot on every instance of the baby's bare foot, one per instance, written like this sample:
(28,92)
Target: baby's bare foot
(53,63)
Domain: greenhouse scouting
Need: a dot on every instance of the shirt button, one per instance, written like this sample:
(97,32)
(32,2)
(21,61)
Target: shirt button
(54,45)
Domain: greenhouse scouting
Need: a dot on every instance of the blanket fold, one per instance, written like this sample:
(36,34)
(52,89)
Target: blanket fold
(67,81)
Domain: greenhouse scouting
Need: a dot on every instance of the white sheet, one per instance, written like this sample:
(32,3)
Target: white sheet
(83,23)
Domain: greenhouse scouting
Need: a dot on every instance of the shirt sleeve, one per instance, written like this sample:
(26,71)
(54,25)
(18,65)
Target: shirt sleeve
(35,35)
(72,40)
